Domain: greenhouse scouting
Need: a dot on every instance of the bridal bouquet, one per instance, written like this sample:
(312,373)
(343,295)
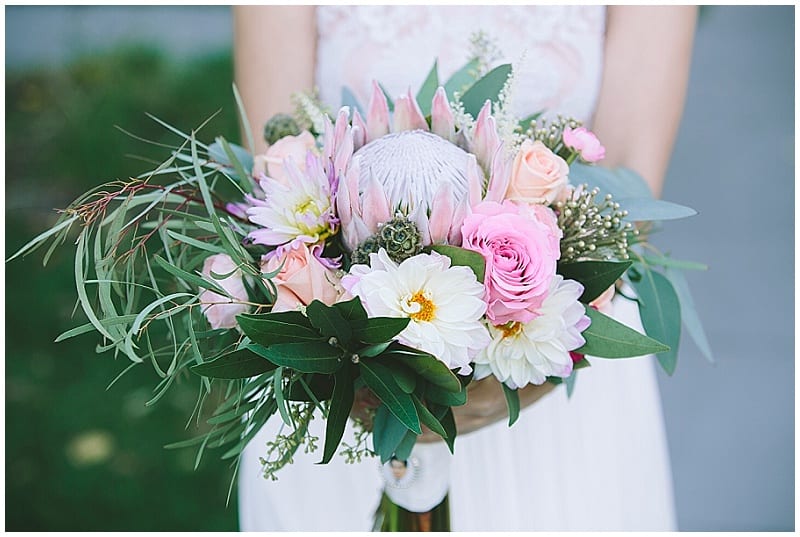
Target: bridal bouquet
(393,253)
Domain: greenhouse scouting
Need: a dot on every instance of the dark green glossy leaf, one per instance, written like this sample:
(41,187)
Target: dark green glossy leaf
(307,357)
(403,451)
(379,378)
(595,276)
(461,79)
(435,394)
(328,321)
(404,377)
(271,328)
(448,421)
(387,433)
(660,310)
(426,365)
(425,94)
(374,350)
(427,418)
(321,387)
(379,329)
(352,310)
(607,338)
(461,257)
(235,365)
(339,412)
(485,89)
(512,401)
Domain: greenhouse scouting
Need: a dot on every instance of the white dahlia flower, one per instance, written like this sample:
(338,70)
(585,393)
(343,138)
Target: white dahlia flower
(528,353)
(445,304)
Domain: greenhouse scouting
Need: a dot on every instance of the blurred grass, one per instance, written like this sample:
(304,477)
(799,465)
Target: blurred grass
(78,457)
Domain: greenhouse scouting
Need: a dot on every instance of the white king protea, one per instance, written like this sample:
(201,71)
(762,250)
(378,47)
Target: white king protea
(406,166)
(445,303)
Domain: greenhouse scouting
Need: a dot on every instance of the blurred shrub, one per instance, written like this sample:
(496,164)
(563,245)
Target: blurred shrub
(79,457)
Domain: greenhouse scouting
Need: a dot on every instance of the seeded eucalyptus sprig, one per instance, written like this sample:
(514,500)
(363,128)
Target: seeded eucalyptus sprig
(593,229)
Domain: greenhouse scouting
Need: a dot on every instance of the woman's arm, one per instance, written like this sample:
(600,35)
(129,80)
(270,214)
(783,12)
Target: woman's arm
(274,55)
(647,57)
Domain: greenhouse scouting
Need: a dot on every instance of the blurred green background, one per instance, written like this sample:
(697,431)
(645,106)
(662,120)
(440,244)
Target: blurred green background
(79,457)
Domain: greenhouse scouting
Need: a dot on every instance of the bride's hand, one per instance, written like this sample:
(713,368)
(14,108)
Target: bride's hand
(486,404)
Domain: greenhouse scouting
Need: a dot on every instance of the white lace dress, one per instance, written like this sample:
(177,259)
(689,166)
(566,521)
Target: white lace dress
(597,461)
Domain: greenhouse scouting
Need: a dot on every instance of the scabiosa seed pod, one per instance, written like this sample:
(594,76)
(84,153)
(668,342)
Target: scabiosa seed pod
(360,255)
(279,126)
(401,238)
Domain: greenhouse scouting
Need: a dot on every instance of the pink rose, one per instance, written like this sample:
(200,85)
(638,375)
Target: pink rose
(294,147)
(521,246)
(303,278)
(584,142)
(221,311)
(538,175)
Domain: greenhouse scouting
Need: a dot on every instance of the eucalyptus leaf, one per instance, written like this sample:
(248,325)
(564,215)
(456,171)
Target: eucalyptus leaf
(462,79)
(349,99)
(239,364)
(648,209)
(486,89)
(512,401)
(305,357)
(463,258)
(339,412)
(607,338)
(660,310)
(689,315)
(380,380)
(595,276)
(428,89)
(619,182)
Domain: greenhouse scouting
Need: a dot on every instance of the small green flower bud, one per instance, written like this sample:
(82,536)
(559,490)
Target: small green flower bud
(278,126)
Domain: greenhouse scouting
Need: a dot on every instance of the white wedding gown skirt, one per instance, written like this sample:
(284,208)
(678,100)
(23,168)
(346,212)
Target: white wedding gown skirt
(596,461)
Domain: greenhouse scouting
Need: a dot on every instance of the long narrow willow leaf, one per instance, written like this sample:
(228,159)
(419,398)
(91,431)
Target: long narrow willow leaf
(36,241)
(89,327)
(191,278)
(83,298)
(243,118)
(137,323)
(196,243)
(176,131)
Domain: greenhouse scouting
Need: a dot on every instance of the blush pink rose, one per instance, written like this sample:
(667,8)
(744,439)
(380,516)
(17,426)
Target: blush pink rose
(303,278)
(294,147)
(221,311)
(521,246)
(584,142)
(603,302)
(538,175)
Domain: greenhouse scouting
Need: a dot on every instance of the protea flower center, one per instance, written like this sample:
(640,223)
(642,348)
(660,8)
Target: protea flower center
(411,165)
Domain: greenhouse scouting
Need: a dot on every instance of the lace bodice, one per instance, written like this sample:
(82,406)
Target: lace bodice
(562,46)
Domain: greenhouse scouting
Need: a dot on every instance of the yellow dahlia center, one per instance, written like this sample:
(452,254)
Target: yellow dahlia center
(420,307)
(510,329)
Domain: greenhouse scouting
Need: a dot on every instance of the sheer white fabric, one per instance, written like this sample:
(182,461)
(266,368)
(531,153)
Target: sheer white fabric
(597,461)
